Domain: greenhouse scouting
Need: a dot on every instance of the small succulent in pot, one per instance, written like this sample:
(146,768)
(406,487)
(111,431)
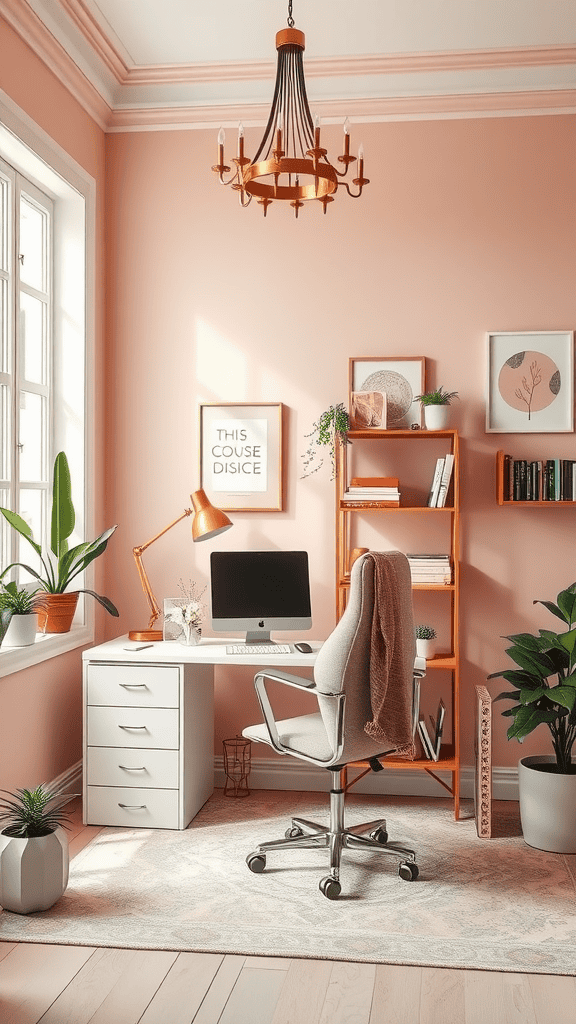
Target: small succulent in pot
(19,599)
(437,397)
(28,814)
(426,633)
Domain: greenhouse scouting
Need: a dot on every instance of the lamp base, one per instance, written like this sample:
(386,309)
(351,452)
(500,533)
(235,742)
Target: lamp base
(151,635)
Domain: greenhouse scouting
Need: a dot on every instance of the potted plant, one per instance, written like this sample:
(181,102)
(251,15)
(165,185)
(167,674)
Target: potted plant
(34,856)
(544,693)
(436,407)
(23,624)
(329,430)
(426,637)
(55,606)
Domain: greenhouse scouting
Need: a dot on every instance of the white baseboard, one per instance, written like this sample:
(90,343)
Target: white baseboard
(288,774)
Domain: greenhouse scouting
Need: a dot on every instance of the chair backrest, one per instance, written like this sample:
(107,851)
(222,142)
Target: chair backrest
(343,663)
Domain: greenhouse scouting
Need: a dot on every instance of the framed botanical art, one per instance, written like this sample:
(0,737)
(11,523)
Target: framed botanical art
(398,379)
(241,456)
(530,382)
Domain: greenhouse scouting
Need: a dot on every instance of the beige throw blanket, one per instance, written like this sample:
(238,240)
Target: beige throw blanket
(393,649)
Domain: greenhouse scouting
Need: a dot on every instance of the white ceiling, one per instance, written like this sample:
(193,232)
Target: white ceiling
(209,57)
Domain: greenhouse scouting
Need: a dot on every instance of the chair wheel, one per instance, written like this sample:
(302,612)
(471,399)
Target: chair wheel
(293,832)
(256,862)
(329,887)
(380,835)
(408,871)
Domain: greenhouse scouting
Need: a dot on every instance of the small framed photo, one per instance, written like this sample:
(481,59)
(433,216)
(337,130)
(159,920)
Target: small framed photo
(241,456)
(368,409)
(399,379)
(530,382)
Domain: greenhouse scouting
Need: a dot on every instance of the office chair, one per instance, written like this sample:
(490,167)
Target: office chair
(350,725)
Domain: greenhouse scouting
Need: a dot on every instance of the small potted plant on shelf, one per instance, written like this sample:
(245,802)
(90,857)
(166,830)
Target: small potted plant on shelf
(56,605)
(34,856)
(21,631)
(329,430)
(426,637)
(436,407)
(544,693)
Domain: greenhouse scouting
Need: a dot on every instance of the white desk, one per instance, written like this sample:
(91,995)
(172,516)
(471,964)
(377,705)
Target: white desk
(148,738)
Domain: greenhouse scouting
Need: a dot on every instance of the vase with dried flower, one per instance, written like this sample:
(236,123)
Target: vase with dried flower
(183,615)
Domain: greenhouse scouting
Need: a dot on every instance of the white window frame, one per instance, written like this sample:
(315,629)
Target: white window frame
(27,148)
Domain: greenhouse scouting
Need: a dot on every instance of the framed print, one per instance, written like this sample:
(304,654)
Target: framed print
(399,379)
(530,382)
(241,456)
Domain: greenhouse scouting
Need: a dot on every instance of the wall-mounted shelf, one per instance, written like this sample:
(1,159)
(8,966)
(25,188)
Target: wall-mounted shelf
(503,490)
(416,513)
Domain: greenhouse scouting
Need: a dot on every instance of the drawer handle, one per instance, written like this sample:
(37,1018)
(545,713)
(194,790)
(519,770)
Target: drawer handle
(145,727)
(132,807)
(125,768)
(134,686)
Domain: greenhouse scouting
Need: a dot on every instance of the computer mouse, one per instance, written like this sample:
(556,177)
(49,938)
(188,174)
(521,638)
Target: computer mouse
(303,647)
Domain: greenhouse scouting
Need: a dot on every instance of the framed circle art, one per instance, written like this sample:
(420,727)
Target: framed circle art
(530,382)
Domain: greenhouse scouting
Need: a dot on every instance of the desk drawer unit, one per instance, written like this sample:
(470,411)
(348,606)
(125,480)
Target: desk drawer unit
(148,743)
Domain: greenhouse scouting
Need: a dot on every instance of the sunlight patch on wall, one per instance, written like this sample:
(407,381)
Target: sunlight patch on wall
(221,368)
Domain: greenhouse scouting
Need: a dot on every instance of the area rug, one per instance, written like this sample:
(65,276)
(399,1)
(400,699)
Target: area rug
(490,904)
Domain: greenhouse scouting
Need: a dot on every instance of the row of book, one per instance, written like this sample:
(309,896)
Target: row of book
(367,489)
(431,741)
(539,480)
(426,568)
(441,482)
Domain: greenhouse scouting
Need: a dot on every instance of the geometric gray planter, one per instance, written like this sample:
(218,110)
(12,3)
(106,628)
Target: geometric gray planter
(22,630)
(547,806)
(33,872)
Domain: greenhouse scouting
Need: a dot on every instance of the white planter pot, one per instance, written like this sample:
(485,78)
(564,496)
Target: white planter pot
(436,417)
(33,872)
(22,631)
(547,806)
(426,648)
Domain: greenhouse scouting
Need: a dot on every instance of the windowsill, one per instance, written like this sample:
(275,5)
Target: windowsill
(49,645)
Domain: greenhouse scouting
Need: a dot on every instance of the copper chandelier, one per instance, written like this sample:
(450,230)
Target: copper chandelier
(290,165)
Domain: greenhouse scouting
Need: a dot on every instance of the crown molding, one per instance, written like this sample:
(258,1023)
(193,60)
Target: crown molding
(26,23)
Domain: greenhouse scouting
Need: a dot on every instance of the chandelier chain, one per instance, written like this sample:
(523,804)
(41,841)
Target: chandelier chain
(290,18)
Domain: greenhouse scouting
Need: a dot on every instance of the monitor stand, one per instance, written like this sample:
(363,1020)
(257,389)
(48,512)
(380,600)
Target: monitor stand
(262,637)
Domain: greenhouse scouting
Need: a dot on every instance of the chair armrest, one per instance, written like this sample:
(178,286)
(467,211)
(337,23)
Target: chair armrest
(300,683)
(285,677)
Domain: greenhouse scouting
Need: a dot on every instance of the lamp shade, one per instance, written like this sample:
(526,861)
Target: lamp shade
(208,521)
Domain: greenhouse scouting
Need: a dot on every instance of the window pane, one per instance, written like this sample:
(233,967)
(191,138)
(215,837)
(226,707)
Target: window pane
(33,338)
(5,531)
(5,439)
(32,236)
(4,224)
(31,436)
(5,362)
(31,510)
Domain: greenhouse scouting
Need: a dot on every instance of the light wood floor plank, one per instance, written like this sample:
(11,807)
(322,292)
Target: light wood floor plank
(303,992)
(6,947)
(84,995)
(493,998)
(554,999)
(269,963)
(443,999)
(135,988)
(32,977)
(254,997)
(349,996)
(183,989)
(219,991)
(397,994)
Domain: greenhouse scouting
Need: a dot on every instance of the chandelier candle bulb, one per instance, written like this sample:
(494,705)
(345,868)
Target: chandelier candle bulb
(346,137)
(221,139)
(240,142)
(316,132)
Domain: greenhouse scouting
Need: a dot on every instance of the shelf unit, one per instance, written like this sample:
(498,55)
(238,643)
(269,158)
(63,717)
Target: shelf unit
(503,500)
(412,509)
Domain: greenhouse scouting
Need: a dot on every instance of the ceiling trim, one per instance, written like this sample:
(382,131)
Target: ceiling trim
(32,30)
(360,110)
(101,43)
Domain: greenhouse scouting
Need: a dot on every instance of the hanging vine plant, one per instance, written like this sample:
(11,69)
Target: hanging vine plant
(329,430)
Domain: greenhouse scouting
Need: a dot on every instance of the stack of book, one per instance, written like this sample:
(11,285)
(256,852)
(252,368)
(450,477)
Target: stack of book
(441,482)
(540,480)
(430,568)
(382,490)
(432,741)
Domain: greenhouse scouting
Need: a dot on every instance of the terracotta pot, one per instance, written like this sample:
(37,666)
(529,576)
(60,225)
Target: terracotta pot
(56,611)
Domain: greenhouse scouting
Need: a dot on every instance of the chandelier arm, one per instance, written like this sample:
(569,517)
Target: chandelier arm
(268,136)
(353,195)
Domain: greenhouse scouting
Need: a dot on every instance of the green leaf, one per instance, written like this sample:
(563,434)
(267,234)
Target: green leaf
(531,696)
(527,640)
(63,515)
(516,677)
(104,601)
(22,528)
(88,552)
(553,608)
(528,719)
(511,695)
(564,695)
(567,603)
(537,663)
(568,640)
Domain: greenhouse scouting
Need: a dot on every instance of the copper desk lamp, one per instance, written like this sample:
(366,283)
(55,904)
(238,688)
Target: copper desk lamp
(208,522)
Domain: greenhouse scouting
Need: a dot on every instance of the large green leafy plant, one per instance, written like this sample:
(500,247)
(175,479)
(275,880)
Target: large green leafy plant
(544,684)
(61,564)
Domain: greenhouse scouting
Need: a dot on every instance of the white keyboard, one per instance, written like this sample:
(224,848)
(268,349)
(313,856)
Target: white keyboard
(258,649)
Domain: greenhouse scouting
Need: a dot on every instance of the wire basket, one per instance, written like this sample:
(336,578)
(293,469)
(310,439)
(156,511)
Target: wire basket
(237,764)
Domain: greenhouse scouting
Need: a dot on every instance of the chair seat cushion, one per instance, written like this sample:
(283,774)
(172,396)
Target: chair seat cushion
(305,734)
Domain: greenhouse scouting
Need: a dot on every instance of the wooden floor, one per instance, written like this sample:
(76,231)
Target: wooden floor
(80,984)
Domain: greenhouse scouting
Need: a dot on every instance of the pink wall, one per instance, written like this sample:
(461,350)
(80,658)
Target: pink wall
(467,226)
(41,707)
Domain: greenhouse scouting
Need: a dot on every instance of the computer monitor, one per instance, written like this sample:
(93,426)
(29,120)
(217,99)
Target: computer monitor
(260,591)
